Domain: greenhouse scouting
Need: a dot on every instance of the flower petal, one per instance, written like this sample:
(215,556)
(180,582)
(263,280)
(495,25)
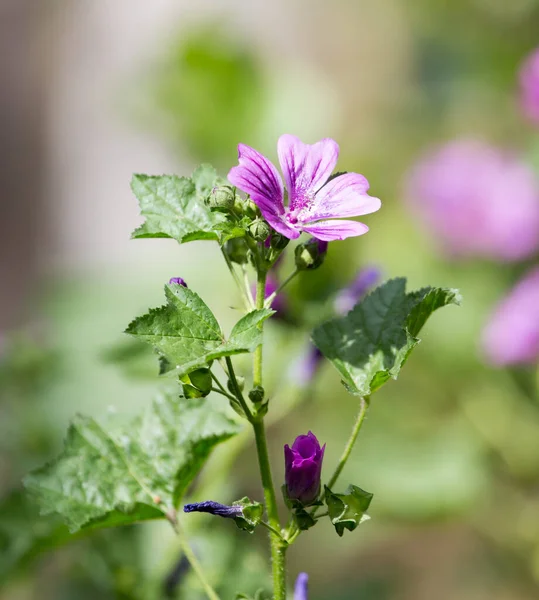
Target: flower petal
(343,196)
(337,229)
(305,167)
(257,176)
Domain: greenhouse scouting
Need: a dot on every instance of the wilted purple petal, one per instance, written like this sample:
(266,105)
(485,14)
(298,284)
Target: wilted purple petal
(330,231)
(303,468)
(214,508)
(512,334)
(477,200)
(306,167)
(349,296)
(178,281)
(301,588)
(529,86)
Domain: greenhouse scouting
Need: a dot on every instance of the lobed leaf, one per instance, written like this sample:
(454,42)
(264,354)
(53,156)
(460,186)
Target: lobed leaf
(370,344)
(188,336)
(106,478)
(348,510)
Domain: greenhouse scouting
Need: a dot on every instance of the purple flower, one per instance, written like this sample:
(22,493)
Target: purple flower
(305,369)
(303,467)
(312,197)
(349,296)
(215,508)
(478,201)
(301,588)
(512,334)
(529,86)
(178,281)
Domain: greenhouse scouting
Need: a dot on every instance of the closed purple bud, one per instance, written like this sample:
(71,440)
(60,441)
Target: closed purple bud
(215,508)
(349,296)
(529,86)
(303,468)
(512,334)
(301,588)
(178,281)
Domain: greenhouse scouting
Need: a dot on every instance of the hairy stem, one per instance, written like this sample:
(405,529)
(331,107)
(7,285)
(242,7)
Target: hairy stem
(193,561)
(260,296)
(363,407)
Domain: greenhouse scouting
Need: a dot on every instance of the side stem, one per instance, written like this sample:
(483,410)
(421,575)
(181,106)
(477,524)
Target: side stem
(193,561)
(363,407)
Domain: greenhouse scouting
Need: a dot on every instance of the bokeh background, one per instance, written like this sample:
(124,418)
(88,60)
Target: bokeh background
(93,91)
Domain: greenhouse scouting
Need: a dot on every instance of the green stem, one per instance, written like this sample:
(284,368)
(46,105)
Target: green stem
(278,546)
(260,296)
(193,561)
(237,390)
(363,407)
(271,298)
(239,283)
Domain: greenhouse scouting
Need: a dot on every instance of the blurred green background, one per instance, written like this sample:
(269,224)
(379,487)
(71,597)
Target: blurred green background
(94,91)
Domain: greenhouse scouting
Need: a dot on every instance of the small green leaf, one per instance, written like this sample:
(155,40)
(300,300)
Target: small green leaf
(347,511)
(106,478)
(304,520)
(370,344)
(252,514)
(188,336)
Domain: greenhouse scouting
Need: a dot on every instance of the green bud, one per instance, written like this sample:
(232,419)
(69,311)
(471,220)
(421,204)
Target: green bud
(260,230)
(311,254)
(278,241)
(241,384)
(197,384)
(256,395)
(222,198)
(236,249)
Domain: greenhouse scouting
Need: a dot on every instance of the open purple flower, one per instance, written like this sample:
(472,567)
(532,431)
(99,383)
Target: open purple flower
(303,468)
(316,204)
(529,86)
(512,334)
(301,589)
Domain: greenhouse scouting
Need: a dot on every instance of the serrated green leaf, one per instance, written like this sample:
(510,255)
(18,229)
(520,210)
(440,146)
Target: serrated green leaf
(175,207)
(348,510)
(370,344)
(187,334)
(105,478)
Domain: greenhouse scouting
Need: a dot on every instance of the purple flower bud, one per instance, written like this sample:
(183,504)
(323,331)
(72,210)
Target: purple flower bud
(303,467)
(301,588)
(214,508)
(477,201)
(512,334)
(529,86)
(349,296)
(178,281)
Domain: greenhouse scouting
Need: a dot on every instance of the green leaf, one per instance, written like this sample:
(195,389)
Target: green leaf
(188,335)
(347,511)
(106,477)
(252,514)
(370,344)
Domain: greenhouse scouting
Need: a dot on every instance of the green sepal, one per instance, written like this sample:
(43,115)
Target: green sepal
(303,519)
(252,514)
(372,342)
(197,384)
(187,335)
(348,510)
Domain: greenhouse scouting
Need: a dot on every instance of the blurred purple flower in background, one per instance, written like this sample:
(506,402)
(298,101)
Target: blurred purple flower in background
(349,296)
(178,281)
(512,334)
(300,589)
(303,468)
(478,201)
(529,86)
(313,198)
(305,369)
